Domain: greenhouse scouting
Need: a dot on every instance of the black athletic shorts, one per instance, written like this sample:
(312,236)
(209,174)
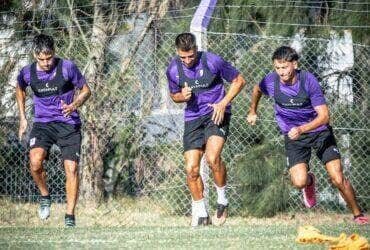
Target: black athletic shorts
(299,151)
(197,132)
(66,136)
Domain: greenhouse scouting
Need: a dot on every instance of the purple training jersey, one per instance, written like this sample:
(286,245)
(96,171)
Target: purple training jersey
(289,118)
(198,104)
(49,109)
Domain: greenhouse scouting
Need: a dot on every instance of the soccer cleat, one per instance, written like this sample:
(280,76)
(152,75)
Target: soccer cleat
(200,221)
(44,209)
(309,193)
(69,221)
(361,219)
(204,221)
(220,216)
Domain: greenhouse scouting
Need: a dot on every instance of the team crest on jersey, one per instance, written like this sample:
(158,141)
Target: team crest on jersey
(336,150)
(32,141)
(201,72)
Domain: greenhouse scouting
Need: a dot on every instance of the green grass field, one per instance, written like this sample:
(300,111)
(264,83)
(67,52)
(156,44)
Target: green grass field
(241,236)
(135,224)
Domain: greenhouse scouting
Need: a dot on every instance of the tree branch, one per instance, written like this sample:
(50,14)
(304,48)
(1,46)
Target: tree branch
(126,63)
(75,20)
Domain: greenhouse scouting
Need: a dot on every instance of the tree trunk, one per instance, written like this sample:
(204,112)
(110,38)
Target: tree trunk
(96,136)
(91,187)
(92,169)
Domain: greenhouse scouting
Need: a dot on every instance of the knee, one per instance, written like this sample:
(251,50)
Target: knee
(338,180)
(192,172)
(36,162)
(213,161)
(299,182)
(71,170)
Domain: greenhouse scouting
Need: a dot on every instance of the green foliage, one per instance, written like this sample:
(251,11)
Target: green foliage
(356,14)
(119,162)
(9,5)
(359,165)
(260,174)
(173,195)
(358,175)
(267,17)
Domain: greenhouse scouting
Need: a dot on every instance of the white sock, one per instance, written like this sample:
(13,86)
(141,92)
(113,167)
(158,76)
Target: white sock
(200,208)
(221,195)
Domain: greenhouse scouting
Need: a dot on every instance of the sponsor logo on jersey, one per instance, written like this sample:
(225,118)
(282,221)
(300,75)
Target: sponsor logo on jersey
(47,88)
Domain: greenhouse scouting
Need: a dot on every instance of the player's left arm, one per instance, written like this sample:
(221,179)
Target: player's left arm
(319,104)
(219,108)
(230,74)
(81,98)
(79,81)
(322,118)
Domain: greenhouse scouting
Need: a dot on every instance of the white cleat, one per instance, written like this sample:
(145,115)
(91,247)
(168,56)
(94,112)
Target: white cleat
(44,209)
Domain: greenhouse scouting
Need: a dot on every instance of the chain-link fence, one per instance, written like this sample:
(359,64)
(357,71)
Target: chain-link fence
(141,139)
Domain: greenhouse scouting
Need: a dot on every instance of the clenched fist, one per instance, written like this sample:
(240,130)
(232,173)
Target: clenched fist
(186,92)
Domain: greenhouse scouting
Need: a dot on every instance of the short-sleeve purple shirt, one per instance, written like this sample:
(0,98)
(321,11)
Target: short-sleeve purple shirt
(198,104)
(49,109)
(289,118)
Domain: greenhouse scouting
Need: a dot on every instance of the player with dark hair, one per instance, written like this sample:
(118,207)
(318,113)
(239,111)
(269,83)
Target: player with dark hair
(196,78)
(53,81)
(303,117)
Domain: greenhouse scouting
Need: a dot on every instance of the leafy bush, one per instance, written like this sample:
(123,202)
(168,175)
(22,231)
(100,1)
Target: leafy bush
(262,183)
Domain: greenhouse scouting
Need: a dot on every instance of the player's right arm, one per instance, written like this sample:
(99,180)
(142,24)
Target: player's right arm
(252,113)
(182,96)
(20,94)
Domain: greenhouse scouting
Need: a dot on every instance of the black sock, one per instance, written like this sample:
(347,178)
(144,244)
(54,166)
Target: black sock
(70,216)
(46,197)
(356,216)
(309,180)
(362,212)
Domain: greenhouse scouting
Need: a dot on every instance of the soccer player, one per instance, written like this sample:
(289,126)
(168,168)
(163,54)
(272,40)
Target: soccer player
(53,81)
(303,117)
(196,78)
